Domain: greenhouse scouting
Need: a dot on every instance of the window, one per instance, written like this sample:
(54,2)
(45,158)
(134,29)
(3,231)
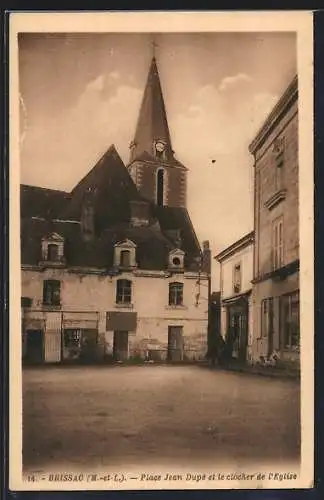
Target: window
(52,293)
(237,278)
(176,256)
(266,317)
(72,338)
(125,254)
(124,292)
(279,159)
(125,258)
(277,244)
(176,294)
(52,252)
(160,188)
(26,301)
(289,321)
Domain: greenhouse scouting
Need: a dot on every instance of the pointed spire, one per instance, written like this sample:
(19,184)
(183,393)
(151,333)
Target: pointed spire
(152,125)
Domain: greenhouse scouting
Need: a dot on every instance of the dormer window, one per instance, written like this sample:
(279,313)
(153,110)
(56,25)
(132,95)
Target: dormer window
(125,259)
(53,249)
(125,254)
(52,252)
(176,259)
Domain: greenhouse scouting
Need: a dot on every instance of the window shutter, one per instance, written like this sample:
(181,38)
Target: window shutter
(45,292)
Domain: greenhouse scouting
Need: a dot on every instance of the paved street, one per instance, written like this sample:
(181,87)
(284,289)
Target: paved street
(99,416)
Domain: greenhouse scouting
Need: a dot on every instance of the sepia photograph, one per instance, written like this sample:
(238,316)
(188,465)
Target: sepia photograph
(161,251)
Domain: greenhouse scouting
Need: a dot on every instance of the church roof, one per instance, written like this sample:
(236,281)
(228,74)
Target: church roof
(152,124)
(110,188)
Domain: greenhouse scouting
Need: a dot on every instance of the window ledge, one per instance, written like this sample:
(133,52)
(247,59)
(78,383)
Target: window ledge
(121,305)
(275,199)
(52,263)
(176,307)
(126,268)
(51,307)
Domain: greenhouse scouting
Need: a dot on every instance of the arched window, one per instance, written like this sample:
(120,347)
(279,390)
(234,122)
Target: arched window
(124,292)
(176,294)
(160,188)
(125,258)
(52,252)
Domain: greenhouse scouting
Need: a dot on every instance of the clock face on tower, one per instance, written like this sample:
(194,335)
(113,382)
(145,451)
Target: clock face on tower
(160,146)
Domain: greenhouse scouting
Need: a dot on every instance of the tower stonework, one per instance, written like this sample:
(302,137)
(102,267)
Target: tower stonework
(157,174)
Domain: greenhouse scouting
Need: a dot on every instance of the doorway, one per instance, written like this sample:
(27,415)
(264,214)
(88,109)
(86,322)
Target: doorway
(120,347)
(175,343)
(34,346)
(238,321)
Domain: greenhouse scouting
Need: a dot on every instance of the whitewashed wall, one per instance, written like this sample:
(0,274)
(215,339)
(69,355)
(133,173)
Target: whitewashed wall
(150,296)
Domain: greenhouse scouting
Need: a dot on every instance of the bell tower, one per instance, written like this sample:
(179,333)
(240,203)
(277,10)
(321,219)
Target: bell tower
(158,175)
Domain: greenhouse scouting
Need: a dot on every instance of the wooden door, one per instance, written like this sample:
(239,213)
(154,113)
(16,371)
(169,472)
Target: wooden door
(175,343)
(120,348)
(35,346)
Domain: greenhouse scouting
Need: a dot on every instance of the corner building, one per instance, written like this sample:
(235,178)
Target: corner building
(276,228)
(113,269)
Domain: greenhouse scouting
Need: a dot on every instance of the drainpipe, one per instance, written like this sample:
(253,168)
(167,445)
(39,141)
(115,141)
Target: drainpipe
(62,339)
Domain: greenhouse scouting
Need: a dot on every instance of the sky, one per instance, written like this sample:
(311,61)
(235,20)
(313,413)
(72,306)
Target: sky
(80,93)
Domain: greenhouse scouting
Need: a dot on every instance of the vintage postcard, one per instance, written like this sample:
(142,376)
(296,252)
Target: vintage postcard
(161,250)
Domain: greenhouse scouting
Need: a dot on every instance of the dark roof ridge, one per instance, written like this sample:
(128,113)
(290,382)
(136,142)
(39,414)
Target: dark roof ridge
(30,186)
(109,152)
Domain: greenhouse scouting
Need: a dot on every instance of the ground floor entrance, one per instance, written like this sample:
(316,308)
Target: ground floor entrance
(175,343)
(120,345)
(237,331)
(34,353)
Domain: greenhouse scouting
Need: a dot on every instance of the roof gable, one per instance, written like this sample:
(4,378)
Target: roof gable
(53,237)
(126,244)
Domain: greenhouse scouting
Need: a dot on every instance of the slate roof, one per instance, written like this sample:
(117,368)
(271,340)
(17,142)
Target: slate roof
(152,124)
(151,253)
(111,190)
(144,156)
(41,202)
(177,218)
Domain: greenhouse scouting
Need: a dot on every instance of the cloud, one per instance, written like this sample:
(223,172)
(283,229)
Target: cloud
(114,75)
(96,121)
(228,82)
(97,84)
(218,126)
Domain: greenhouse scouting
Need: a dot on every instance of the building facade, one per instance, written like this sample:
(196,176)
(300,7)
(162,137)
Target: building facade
(236,274)
(113,269)
(276,225)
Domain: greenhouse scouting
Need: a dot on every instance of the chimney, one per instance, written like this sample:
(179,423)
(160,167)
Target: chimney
(140,213)
(87,220)
(206,258)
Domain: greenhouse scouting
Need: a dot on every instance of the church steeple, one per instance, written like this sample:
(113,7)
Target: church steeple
(157,174)
(152,131)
